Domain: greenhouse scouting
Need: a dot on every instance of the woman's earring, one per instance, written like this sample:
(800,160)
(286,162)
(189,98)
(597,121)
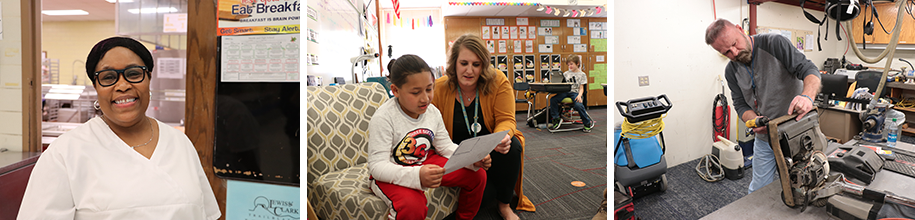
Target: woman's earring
(97,106)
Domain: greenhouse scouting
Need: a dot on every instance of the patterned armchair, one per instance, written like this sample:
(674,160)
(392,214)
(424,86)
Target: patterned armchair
(338,175)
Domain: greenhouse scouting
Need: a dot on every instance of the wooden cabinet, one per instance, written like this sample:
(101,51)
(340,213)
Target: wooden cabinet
(457,26)
(887,13)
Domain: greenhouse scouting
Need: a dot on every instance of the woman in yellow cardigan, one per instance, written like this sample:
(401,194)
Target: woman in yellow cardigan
(476,99)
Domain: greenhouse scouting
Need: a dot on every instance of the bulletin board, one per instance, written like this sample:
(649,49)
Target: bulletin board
(803,40)
(257,106)
(337,31)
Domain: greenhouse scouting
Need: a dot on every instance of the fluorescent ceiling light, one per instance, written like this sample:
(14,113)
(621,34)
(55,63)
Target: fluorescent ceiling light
(152,10)
(113,1)
(64,12)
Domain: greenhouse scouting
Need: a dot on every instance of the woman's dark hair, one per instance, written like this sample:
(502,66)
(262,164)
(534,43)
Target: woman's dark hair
(102,47)
(404,66)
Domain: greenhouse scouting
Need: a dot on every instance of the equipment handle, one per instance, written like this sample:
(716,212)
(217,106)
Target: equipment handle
(669,104)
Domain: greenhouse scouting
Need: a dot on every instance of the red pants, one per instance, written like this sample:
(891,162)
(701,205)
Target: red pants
(410,204)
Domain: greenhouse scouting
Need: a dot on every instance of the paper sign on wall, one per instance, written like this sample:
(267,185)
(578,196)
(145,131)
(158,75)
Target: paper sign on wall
(522,32)
(517,48)
(573,23)
(545,31)
(495,32)
(520,21)
(491,46)
(170,68)
(485,32)
(580,48)
(502,46)
(174,23)
(260,58)
(546,48)
(248,200)
(531,32)
(529,46)
(551,39)
(505,32)
(573,39)
(265,17)
(579,31)
(513,32)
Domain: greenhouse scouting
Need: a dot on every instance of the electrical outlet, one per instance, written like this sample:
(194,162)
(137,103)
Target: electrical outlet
(643,81)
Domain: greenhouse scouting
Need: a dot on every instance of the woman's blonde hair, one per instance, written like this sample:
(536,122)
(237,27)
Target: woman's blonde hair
(475,45)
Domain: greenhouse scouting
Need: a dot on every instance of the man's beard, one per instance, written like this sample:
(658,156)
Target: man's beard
(744,56)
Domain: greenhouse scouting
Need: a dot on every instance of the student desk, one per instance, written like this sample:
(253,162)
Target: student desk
(552,88)
(766,203)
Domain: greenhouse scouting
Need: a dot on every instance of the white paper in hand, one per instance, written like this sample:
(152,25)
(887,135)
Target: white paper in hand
(472,150)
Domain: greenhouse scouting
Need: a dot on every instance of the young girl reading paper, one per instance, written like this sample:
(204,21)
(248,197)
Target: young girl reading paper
(409,145)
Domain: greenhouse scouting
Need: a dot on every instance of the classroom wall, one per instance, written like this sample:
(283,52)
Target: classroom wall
(422,41)
(71,41)
(11,51)
(666,42)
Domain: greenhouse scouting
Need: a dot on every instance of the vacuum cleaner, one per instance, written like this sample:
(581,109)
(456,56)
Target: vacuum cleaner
(639,164)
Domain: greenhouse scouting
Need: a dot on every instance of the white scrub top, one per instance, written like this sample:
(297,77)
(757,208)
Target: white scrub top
(90,173)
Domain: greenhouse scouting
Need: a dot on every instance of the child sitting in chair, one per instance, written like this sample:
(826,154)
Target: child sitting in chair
(578,79)
(409,145)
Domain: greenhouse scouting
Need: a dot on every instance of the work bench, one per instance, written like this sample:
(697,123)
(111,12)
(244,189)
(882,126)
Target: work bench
(766,203)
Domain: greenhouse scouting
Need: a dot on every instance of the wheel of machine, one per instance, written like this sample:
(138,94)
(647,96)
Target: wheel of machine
(663,182)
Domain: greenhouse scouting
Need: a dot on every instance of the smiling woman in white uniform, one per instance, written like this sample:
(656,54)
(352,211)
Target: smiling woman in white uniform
(121,165)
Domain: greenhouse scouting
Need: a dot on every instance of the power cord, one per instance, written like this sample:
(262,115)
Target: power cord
(709,162)
(906,103)
(643,129)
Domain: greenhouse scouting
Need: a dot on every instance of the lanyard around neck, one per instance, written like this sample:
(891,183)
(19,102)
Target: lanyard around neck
(476,107)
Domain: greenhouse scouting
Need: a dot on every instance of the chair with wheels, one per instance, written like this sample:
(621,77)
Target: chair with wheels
(522,88)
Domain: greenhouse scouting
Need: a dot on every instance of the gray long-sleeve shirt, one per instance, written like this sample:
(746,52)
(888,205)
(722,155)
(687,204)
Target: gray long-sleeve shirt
(771,80)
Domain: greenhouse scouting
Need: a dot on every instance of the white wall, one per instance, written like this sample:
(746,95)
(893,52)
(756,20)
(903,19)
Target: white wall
(422,41)
(667,43)
(11,76)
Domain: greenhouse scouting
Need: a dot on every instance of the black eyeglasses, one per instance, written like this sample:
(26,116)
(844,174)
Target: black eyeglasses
(134,74)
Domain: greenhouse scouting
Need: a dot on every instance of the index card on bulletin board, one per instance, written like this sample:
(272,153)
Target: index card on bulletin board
(495,21)
(549,23)
(573,39)
(551,39)
(546,48)
(573,23)
(545,31)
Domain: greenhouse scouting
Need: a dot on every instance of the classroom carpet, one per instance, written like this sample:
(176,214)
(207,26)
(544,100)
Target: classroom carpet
(552,162)
(690,197)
